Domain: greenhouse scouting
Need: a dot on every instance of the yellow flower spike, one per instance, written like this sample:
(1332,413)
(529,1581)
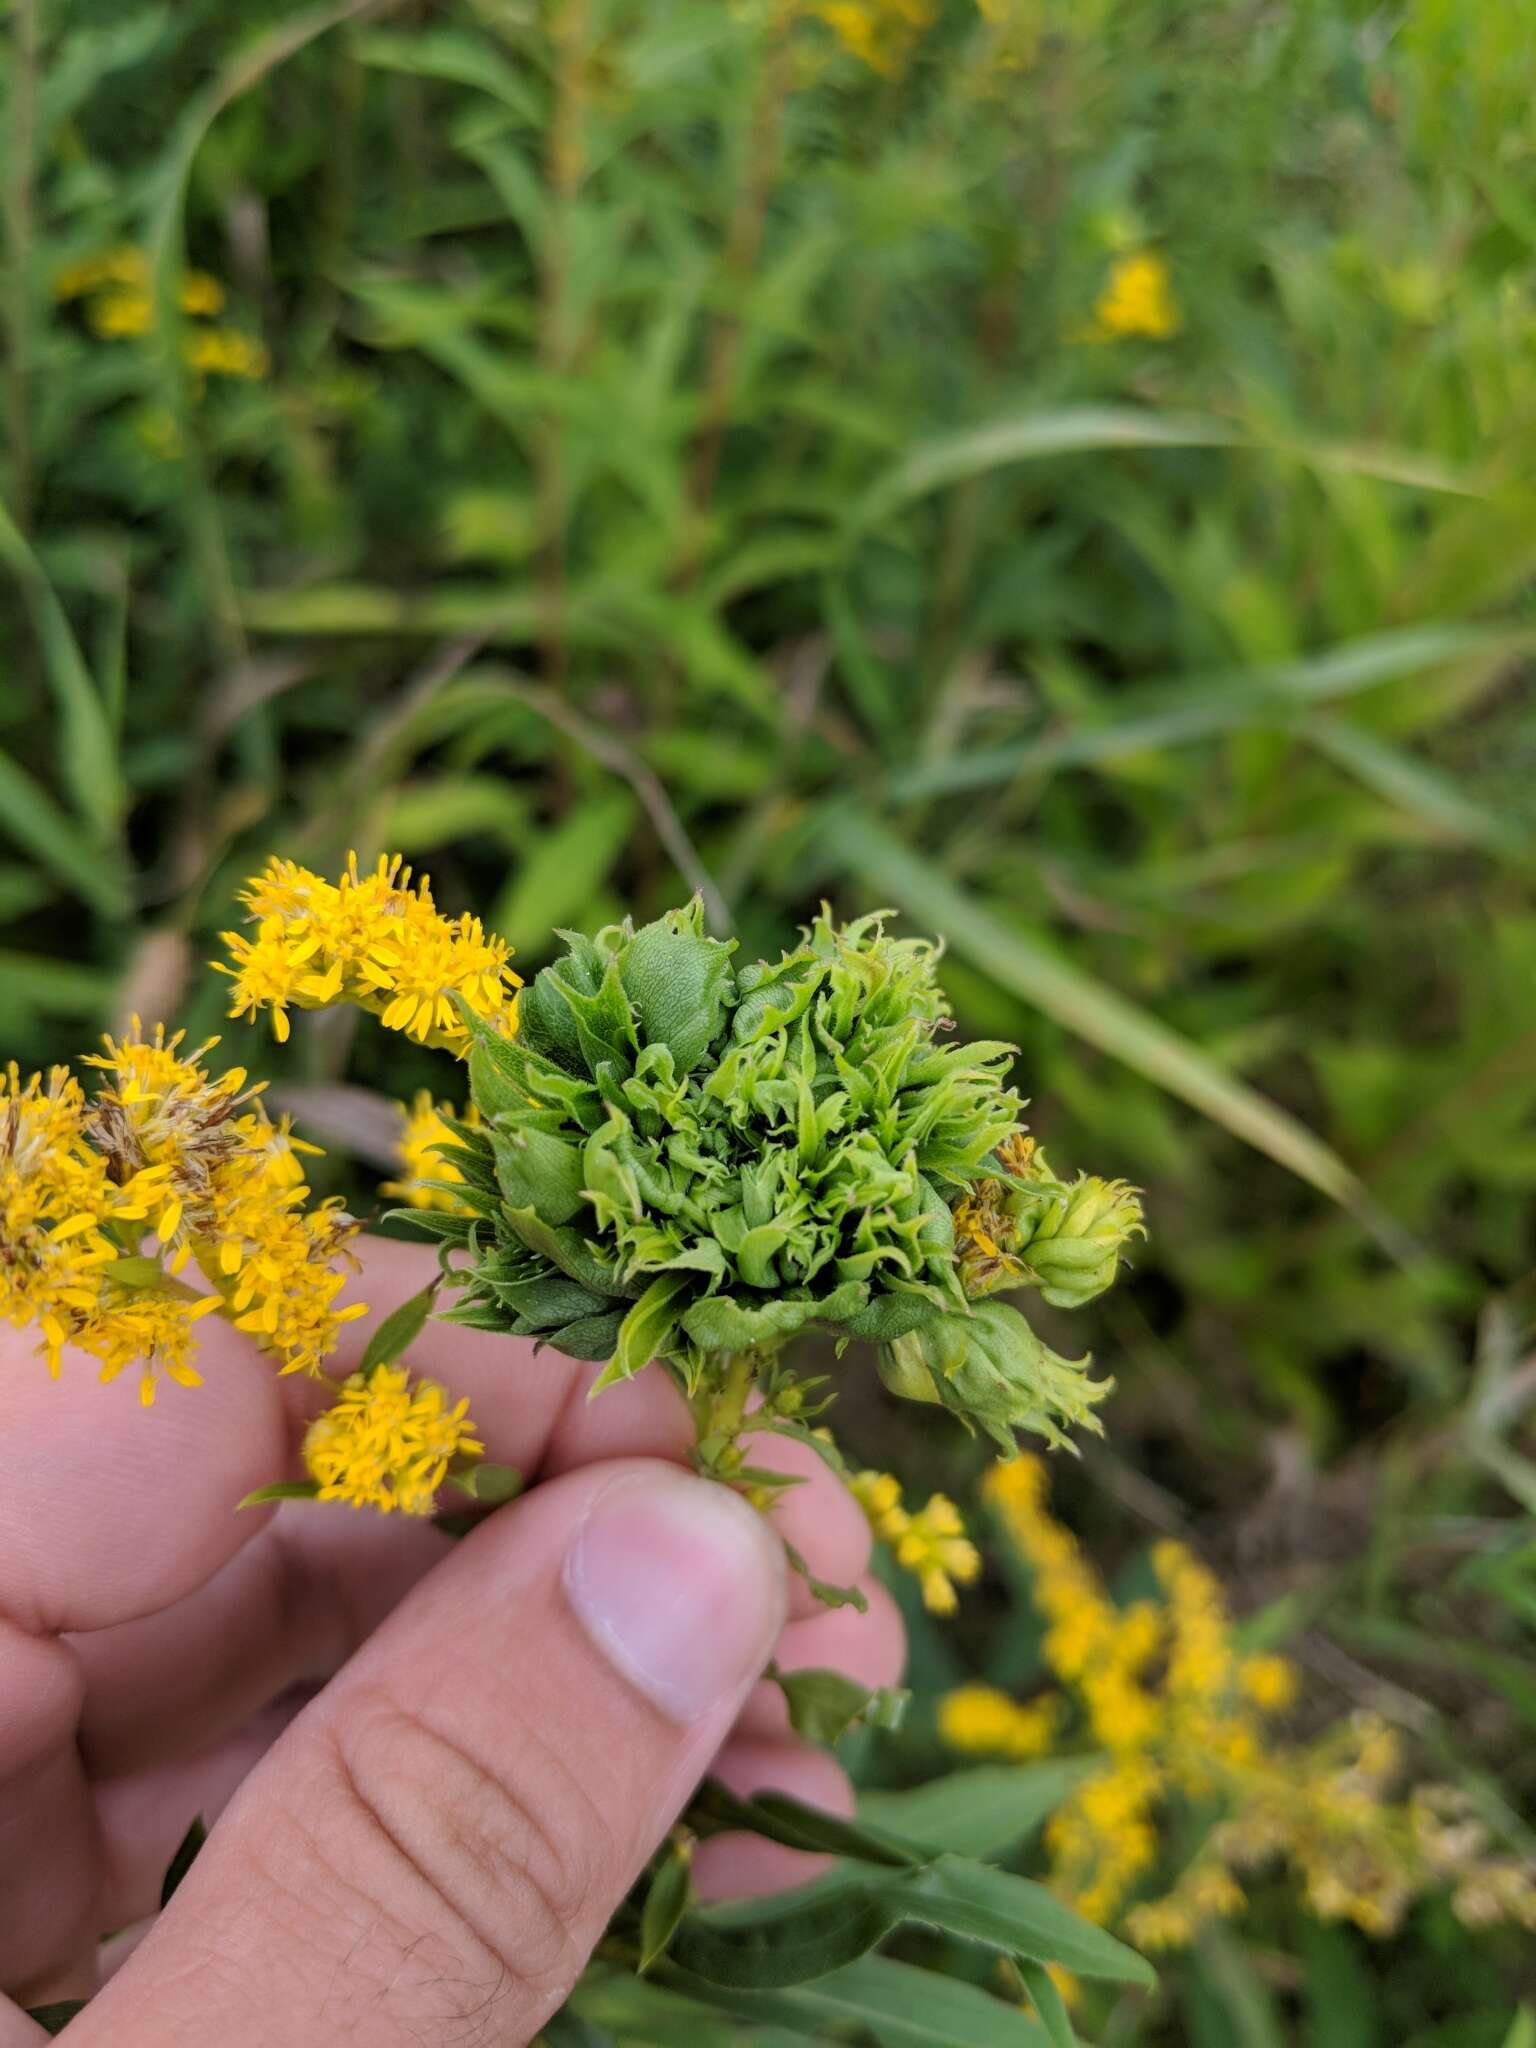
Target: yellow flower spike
(978,1720)
(388,1444)
(931,1544)
(1137,299)
(374,939)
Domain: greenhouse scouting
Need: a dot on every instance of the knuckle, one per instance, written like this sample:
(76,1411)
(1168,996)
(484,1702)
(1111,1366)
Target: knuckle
(513,1855)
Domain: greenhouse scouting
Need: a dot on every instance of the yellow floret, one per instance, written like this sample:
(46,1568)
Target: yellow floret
(388,1444)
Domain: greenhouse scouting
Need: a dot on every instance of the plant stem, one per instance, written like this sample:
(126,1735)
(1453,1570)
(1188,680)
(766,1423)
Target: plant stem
(19,169)
(743,241)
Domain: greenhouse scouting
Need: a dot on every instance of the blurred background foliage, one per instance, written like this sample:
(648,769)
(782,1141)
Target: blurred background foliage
(1063,471)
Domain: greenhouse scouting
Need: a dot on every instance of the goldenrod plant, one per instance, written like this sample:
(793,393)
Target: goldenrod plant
(666,1155)
(1185,1732)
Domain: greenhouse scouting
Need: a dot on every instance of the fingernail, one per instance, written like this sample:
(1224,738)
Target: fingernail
(680,1585)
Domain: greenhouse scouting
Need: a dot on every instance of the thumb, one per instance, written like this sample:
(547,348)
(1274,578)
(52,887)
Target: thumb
(438,1841)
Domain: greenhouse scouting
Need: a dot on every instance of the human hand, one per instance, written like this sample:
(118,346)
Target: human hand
(439,1766)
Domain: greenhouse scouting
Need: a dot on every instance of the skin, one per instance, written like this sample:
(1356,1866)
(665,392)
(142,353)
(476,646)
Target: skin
(427,1788)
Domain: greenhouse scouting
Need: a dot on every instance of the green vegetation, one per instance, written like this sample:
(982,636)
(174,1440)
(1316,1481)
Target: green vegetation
(1069,479)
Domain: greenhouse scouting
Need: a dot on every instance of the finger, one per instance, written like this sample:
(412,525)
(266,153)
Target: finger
(16,2030)
(444,1832)
(741,1866)
(870,1648)
(146,1512)
(818,1516)
(47,1828)
(141,1820)
(288,1609)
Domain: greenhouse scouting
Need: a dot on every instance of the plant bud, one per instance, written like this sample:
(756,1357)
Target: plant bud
(1070,1240)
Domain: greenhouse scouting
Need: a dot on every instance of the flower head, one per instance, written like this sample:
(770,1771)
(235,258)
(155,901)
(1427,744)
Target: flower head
(691,1159)
(931,1544)
(1137,299)
(386,1443)
(424,1135)
(373,939)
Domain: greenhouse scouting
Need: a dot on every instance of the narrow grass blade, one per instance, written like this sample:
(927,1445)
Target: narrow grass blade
(32,818)
(87,749)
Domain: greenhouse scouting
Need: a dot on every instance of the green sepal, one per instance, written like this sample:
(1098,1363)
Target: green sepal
(569,1250)
(718,1323)
(537,1170)
(678,981)
(645,1331)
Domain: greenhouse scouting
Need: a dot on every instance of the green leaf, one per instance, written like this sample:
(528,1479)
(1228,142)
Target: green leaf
(779,1818)
(758,1948)
(492,1485)
(399,1329)
(34,821)
(824,1705)
(906,2007)
(1413,786)
(1092,429)
(182,1861)
(667,1898)
(1016,1917)
(1522,2032)
(678,981)
(828,1594)
(567,2029)
(87,747)
(645,1331)
(1023,963)
(1048,2002)
(53,2019)
(978,1812)
(282,1489)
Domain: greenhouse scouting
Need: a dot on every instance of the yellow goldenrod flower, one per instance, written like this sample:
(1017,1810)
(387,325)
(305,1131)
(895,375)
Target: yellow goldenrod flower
(371,939)
(169,1154)
(880,33)
(931,1544)
(225,352)
(1137,299)
(116,314)
(124,266)
(423,1132)
(387,1444)
(980,1720)
(1178,1712)
(119,295)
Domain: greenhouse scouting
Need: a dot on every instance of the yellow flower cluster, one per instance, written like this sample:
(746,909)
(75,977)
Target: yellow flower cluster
(1137,299)
(1179,1714)
(165,1152)
(387,1444)
(984,1721)
(66,1223)
(931,1544)
(423,1133)
(117,289)
(372,939)
(880,33)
